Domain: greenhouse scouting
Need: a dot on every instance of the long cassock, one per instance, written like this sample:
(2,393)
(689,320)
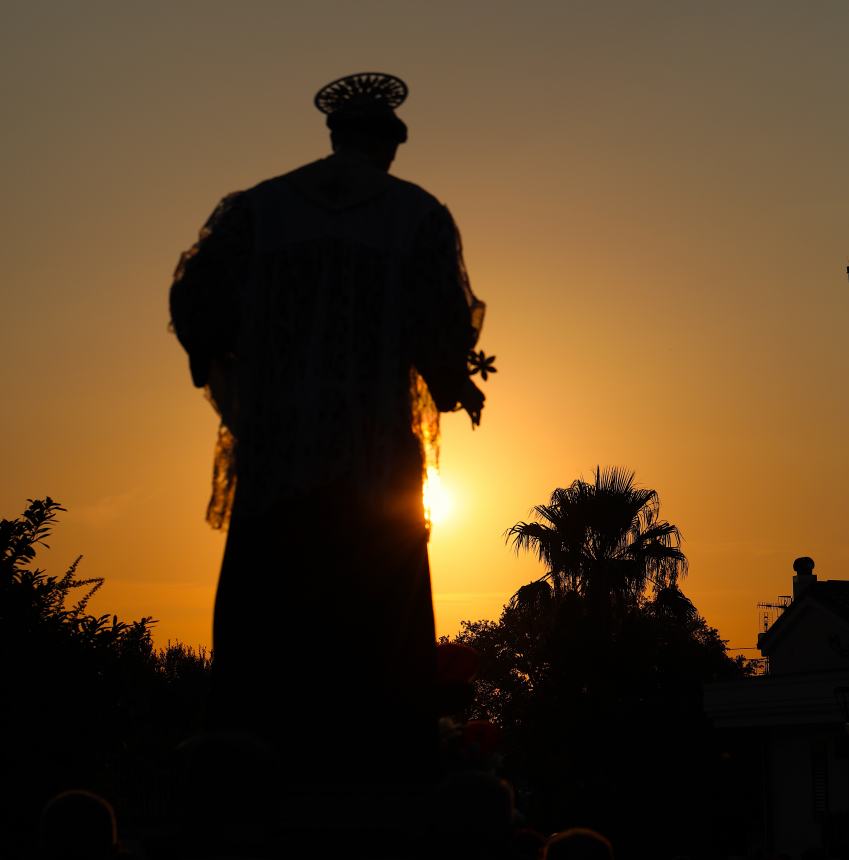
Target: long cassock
(329,316)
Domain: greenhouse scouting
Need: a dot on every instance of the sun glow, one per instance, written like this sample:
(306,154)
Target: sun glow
(438,503)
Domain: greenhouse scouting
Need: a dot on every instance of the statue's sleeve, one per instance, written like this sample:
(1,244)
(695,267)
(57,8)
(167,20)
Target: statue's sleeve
(447,317)
(204,297)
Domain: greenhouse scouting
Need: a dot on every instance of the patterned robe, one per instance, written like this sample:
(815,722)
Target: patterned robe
(328,314)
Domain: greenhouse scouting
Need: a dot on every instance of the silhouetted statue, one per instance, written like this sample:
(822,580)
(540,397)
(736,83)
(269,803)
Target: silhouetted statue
(328,314)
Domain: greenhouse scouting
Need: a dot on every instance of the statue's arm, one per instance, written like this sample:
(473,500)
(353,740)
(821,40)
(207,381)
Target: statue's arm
(204,296)
(447,317)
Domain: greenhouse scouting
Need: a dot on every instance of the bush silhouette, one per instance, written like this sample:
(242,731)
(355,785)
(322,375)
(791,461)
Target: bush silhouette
(91,702)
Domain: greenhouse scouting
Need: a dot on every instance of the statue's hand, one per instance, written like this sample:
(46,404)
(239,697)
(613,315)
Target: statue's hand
(472,399)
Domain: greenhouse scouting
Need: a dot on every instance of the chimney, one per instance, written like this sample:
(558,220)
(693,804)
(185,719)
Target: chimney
(804,577)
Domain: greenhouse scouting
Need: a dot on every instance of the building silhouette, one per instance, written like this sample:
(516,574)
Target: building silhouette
(785,733)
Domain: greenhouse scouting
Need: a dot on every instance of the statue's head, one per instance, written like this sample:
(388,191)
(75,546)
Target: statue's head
(361,115)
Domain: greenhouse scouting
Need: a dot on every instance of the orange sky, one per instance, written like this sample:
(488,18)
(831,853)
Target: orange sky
(653,199)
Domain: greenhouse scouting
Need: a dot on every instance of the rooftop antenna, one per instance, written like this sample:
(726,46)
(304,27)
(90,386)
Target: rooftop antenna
(771,611)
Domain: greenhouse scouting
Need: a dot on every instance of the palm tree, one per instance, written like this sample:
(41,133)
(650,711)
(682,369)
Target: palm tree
(603,540)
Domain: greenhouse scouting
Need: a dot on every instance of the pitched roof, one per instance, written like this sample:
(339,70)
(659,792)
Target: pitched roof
(831,594)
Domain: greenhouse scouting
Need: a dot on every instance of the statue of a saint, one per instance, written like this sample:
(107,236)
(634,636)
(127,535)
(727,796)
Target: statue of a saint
(328,314)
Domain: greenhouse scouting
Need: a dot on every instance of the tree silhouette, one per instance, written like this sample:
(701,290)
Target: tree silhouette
(602,540)
(594,670)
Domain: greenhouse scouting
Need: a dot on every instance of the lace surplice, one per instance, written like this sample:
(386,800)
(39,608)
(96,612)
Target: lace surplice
(325,349)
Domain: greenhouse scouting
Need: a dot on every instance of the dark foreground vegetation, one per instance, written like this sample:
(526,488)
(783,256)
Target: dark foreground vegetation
(88,699)
(594,672)
(579,707)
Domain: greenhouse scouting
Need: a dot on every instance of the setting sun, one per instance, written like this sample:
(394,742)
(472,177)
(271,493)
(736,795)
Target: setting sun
(438,503)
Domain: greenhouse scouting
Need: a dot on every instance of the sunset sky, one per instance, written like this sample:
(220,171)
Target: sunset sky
(654,200)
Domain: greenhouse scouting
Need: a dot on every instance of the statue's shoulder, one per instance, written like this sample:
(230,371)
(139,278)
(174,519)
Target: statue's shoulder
(413,193)
(334,183)
(275,184)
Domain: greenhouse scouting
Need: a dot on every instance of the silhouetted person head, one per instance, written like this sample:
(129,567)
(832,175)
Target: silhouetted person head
(456,668)
(361,117)
(578,843)
(77,825)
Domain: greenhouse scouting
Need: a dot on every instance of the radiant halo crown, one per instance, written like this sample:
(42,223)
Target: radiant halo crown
(363,86)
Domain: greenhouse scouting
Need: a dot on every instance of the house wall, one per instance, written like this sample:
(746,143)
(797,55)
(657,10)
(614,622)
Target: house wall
(808,790)
(793,721)
(805,645)
(792,823)
(838,788)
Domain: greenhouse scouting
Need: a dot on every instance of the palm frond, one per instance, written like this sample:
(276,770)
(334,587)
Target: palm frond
(603,536)
(529,537)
